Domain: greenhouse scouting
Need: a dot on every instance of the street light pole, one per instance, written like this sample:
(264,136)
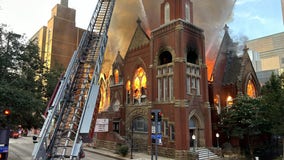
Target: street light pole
(131,150)
(193,138)
(217,137)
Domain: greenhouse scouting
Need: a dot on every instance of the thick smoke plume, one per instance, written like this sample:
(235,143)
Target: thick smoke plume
(209,15)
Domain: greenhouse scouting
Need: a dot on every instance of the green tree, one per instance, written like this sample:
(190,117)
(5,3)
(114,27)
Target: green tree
(273,96)
(21,77)
(52,79)
(246,120)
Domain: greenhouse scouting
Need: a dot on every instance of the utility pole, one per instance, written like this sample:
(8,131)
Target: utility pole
(156,136)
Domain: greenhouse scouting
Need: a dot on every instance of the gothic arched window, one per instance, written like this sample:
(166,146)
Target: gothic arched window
(192,56)
(165,77)
(165,58)
(139,86)
(128,91)
(187,12)
(167,12)
(251,89)
(140,124)
(193,72)
(116,76)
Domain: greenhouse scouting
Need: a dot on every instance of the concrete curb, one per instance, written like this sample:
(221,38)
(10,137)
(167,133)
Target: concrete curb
(104,153)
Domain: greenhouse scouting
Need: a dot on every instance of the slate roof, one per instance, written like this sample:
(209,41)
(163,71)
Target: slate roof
(232,70)
(140,38)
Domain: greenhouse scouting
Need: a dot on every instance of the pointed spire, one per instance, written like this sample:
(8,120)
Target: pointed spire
(226,28)
(245,48)
(64,3)
(138,21)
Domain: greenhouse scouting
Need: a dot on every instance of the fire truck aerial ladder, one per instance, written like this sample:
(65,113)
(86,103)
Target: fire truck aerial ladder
(69,118)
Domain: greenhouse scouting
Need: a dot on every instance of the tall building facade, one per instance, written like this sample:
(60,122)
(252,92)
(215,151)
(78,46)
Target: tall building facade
(271,53)
(165,71)
(282,4)
(59,39)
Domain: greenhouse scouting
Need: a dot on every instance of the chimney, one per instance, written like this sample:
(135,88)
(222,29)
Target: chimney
(64,3)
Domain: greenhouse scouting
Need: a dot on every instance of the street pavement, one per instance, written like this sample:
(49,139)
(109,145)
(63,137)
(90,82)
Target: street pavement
(135,155)
(21,149)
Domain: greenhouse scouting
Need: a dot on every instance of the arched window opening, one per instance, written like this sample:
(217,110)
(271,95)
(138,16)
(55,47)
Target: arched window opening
(167,13)
(128,91)
(165,58)
(187,12)
(192,56)
(165,84)
(229,101)
(140,124)
(116,76)
(116,105)
(193,130)
(139,86)
(193,123)
(251,89)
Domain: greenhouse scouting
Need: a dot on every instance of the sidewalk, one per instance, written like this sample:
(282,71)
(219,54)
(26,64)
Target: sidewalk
(110,153)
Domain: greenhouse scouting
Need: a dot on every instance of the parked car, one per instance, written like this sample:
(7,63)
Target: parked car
(14,134)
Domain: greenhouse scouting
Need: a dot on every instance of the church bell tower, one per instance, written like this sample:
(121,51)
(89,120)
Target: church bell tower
(176,9)
(180,72)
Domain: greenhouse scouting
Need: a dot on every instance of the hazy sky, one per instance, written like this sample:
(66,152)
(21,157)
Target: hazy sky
(28,16)
(251,18)
(257,18)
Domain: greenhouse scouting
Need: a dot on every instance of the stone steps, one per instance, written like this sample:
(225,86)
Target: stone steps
(206,154)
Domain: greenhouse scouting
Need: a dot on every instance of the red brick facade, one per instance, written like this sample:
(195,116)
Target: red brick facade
(166,71)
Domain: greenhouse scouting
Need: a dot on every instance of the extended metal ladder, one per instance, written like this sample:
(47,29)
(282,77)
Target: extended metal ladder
(70,116)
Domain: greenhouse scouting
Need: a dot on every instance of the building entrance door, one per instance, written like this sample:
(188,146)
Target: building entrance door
(192,133)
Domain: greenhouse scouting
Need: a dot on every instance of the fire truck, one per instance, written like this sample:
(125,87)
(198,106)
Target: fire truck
(4,143)
(70,117)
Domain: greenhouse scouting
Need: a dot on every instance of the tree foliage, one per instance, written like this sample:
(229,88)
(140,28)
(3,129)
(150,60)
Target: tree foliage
(246,117)
(247,120)
(21,77)
(273,96)
(250,118)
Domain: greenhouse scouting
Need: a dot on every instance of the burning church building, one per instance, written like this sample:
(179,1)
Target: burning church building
(166,70)
(233,74)
(165,67)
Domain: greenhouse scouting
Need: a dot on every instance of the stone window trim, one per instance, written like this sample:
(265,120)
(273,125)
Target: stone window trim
(139,87)
(167,13)
(193,79)
(165,82)
(140,125)
(165,127)
(171,131)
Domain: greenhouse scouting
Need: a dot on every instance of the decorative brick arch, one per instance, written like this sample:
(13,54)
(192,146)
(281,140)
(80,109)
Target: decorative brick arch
(196,115)
(137,64)
(164,49)
(137,112)
(250,78)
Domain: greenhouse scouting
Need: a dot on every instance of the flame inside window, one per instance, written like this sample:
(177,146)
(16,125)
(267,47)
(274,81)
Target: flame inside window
(139,83)
(128,84)
(116,76)
(229,101)
(251,89)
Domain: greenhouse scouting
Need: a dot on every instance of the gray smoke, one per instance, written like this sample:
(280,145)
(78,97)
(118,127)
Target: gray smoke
(209,15)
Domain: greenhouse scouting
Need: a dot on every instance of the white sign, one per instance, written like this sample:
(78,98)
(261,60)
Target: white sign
(101,128)
(102,121)
(153,129)
(101,125)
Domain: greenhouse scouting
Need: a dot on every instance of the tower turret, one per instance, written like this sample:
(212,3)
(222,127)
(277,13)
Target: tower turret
(64,3)
(176,9)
